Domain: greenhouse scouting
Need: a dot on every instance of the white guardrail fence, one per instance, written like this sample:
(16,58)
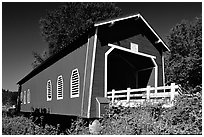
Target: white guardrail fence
(149,93)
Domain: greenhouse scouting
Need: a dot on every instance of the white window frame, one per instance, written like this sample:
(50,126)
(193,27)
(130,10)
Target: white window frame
(28,96)
(24,97)
(58,98)
(134,47)
(71,90)
(21,97)
(49,82)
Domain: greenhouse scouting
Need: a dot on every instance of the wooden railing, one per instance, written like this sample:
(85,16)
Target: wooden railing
(147,93)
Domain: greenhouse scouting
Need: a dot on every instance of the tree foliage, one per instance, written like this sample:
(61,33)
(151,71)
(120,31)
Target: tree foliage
(9,98)
(63,25)
(183,64)
(39,58)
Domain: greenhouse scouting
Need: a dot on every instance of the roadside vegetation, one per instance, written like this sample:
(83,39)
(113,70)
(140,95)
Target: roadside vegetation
(185,117)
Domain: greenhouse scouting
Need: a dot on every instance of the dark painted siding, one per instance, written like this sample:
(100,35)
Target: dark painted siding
(64,67)
(99,75)
(145,46)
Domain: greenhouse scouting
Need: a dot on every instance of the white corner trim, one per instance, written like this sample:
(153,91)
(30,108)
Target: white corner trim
(114,20)
(156,73)
(154,32)
(92,72)
(128,50)
(106,70)
(163,68)
(99,108)
(85,69)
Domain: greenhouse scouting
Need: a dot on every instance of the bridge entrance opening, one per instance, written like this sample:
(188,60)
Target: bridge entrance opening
(129,70)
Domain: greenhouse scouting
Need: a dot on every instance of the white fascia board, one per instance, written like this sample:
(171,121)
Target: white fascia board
(128,17)
(85,70)
(128,50)
(156,73)
(106,70)
(92,72)
(99,108)
(160,40)
(114,20)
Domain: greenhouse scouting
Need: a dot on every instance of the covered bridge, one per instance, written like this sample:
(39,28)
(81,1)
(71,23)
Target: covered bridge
(114,54)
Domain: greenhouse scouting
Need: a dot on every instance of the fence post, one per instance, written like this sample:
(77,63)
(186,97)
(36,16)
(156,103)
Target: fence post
(113,94)
(148,93)
(128,94)
(172,91)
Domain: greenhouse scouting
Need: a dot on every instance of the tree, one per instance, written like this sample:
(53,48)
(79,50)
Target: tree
(9,98)
(61,26)
(183,64)
(38,59)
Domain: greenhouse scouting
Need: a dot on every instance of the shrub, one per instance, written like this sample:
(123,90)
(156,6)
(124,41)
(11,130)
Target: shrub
(15,126)
(79,127)
(23,126)
(185,117)
(131,121)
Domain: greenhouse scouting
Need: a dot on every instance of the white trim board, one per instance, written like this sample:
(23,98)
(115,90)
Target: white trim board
(156,74)
(99,109)
(132,16)
(160,40)
(106,66)
(114,20)
(163,69)
(85,69)
(92,72)
(128,50)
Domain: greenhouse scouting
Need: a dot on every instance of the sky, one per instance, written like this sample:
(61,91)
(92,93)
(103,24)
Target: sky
(21,30)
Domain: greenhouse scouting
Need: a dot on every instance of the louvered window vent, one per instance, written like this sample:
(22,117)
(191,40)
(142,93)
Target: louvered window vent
(75,81)
(60,87)
(49,90)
